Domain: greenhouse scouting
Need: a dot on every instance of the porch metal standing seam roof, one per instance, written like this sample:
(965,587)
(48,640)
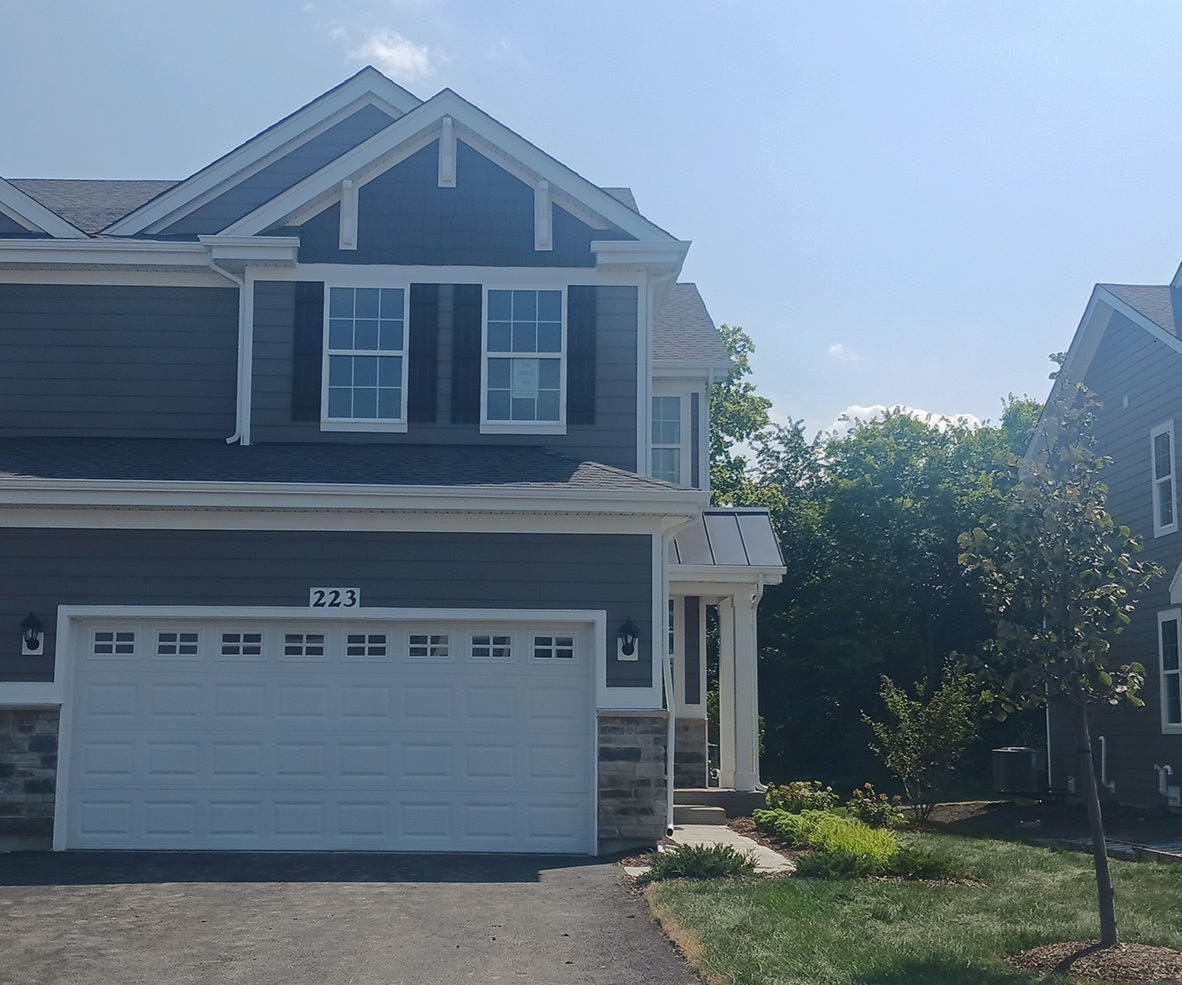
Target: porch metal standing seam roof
(734,537)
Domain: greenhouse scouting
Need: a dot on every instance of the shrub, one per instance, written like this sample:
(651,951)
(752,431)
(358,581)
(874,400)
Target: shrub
(698,862)
(908,862)
(828,832)
(928,735)
(801,795)
(876,809)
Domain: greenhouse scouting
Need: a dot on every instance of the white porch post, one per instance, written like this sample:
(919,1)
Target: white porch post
(726,693)
(746,694)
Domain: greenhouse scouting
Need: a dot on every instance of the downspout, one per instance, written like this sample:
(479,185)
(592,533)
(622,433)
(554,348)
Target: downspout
(755,600)
(241,426)
(1107,784)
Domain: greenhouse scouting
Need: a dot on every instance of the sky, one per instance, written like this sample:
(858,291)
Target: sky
(902,203)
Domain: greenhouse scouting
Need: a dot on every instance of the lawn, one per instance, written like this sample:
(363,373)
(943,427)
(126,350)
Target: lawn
(763,931)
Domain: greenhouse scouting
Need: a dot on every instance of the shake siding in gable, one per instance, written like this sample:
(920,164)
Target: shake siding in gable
(611,440)
(1128,362)
(115,361)
(248,194)
(41,569)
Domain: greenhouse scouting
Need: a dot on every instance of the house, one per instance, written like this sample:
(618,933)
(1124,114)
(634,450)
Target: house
(352,493)
(1128,351)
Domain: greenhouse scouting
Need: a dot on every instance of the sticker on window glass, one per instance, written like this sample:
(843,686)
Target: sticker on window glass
(525,378)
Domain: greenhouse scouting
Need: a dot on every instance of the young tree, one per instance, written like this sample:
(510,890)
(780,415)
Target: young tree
(1060,576)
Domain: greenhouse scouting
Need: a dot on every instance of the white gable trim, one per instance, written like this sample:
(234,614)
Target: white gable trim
(367,87)
(34,216)
(418,128)
(1176,587)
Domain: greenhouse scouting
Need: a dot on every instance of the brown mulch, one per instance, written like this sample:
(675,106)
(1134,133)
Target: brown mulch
(1086,959)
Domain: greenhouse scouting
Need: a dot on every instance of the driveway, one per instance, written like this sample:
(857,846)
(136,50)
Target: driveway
(321,919)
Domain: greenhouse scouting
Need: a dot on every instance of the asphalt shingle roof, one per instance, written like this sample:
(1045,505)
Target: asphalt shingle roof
(91,205)
(683,329)
(148,459)
(1151,300)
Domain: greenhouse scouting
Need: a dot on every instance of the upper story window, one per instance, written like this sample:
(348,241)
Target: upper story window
(365,359)
(1161,451)
(1171,669)
(666,438)
(524,364)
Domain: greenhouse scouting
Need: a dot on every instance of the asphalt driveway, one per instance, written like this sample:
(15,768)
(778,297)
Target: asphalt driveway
(319,919)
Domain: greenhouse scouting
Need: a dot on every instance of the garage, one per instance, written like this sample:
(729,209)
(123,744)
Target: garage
(271,730)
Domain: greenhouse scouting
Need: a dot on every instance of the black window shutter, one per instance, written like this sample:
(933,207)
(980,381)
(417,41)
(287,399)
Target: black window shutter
(307,351)
(423,354)
(580,358)
(467,321)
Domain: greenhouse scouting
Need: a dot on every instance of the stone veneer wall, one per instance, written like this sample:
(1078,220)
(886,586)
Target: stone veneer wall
(28,771)
(689,754)
(631,778)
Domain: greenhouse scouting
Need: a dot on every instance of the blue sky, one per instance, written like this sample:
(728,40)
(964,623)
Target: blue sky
(902,203)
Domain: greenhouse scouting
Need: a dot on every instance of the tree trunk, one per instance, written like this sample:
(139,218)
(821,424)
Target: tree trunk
(1086,773)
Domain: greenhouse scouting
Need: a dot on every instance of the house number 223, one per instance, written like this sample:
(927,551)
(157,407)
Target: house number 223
(334,598)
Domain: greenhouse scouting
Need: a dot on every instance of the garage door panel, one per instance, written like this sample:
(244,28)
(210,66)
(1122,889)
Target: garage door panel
(256,736)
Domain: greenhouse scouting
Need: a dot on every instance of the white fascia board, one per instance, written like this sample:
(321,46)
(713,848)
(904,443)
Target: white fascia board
(102,253)
(367,86)
(256,250)
(689,369)
(726,574)
(419,127)
(33,215)
(671,502)
(665,257)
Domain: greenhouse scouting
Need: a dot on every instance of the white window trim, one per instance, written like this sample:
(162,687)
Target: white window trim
(1160,529)
(684,391)
(387,425)
(1167,727)
(522,427)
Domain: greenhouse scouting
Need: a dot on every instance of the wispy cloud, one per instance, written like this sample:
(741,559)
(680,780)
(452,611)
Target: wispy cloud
(844,421)
(390,52)
(843,353)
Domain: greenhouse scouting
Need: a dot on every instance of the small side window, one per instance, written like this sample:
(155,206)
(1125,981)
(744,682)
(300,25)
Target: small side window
(1168,639)
(1161,455)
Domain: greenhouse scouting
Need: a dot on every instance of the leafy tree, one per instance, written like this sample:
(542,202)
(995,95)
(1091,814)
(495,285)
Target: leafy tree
(1061,578)
(737,415)
(927,737)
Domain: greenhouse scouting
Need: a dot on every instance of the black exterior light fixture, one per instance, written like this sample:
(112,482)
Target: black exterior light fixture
(32,635)
(629,637)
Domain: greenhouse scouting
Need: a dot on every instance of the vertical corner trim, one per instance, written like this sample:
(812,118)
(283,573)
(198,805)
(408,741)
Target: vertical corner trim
(447,154)
(543,217)
(348,215)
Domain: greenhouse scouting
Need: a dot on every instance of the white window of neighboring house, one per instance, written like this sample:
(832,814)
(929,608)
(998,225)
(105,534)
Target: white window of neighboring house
(1168,641)
(1161,454)
(524,366)
(365,359)
(667,433)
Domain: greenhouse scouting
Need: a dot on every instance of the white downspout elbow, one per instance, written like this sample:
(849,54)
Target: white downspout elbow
(241,425)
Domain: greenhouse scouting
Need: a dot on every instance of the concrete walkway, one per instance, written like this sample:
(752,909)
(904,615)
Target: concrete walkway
(719,834)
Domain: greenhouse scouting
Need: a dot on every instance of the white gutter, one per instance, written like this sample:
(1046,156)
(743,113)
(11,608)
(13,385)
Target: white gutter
(241,430)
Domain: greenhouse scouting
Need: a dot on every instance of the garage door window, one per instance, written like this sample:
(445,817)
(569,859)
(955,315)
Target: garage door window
(365,645)
(242,644)
(554,647)
(107,644)
(428,646)
(176,645)
(303,645)
(491,648)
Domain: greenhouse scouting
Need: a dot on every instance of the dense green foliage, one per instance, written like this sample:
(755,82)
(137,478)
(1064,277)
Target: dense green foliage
(879,810)
(798,931)
(867,521)
(925,738)
(828,832)
(698,862)
(801,795)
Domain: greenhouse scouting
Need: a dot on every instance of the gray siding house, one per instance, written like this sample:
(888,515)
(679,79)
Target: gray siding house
(353,496)
(1128,351)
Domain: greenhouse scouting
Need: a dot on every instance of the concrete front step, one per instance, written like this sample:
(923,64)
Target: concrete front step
(736,803)
(698,814)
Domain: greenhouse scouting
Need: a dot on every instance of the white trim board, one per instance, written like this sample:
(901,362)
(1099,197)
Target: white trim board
(34,216)
(275,140)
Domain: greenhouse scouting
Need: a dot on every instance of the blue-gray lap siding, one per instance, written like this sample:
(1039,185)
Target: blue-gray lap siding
(41,569)
(610,440)
(248,194)
(486,220)
(117,361)
(1129,362)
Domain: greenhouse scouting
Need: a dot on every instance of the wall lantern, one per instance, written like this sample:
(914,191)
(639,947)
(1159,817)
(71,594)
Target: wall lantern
(32,636)
(627,642)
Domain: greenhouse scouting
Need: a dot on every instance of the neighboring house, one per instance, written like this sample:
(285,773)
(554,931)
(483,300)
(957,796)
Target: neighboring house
(351,496)
(1128,350)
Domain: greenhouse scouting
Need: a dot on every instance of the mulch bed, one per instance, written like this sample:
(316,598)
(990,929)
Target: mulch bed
(1086,959)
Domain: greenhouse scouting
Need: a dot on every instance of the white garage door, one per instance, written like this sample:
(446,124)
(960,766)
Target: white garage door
(340,734)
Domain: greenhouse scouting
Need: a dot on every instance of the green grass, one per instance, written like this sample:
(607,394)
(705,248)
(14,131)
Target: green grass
(758,931)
